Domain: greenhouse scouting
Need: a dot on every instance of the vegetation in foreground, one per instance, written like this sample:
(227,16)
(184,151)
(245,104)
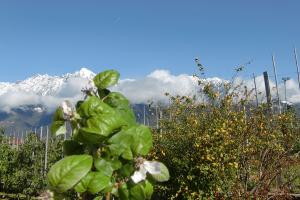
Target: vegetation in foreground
(216,147)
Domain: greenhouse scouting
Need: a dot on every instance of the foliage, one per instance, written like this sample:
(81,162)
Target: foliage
(22,167)
(225,148)
(104,155)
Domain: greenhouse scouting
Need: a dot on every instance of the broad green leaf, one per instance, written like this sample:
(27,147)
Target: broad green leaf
(67,172)
(83,185)
(93,106)
(72,147)
(126,170)
(123,192)
(58,128)
(117,100)
(164,174)
(98,198)
(136,140)
(148,187)
(101,126)
(142,140)
(58,115)
(106,166)
(106,79)
(120,144)
(58,124)
(103,93)
(137,192)
(93,182)
(99,182)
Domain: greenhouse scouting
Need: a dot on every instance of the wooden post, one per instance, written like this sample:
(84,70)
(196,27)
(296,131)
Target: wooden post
(255,88)
(22,137)
(46,150)
(41,134)
(157,117)
(144,114)
(267,86)
(17,140)
(297,65)
(276,82)
(65,136)
(285,79)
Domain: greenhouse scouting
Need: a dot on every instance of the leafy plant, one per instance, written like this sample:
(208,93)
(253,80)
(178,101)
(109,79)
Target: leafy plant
(224,147)
(104,157)
(22,168)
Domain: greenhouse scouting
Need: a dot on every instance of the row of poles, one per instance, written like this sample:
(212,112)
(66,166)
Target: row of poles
(16,139)
(284,79)
(158,116)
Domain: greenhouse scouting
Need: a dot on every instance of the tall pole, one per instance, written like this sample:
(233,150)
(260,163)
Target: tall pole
(267,86)
(22,137)
(285,79)
(46,150)
(276,82)
(65,136)
(297,65)
(15,136)
(157,117)
(41,133)
(144,114)
(255,88)
(17,140)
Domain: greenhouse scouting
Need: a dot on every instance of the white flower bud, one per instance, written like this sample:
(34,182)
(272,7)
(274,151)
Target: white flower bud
(152,167)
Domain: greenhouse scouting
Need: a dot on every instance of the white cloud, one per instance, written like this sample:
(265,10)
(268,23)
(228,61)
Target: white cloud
(149,88)
(154,86)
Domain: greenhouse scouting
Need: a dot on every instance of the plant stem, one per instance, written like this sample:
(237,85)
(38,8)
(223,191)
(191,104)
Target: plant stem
(107,196)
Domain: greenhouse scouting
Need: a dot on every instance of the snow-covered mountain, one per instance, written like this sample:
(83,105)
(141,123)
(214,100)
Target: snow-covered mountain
(49,91)
(44,84)
(31,102)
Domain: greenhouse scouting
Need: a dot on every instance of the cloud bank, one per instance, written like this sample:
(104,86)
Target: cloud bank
(151,88)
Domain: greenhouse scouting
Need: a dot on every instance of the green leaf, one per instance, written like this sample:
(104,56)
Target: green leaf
(98,127)
(58,126)
(83,185)
(106,79)
(98,198)
(58,115)
(106,166)
(103,93)
(137,192)
(120,144)
(67,172)
(148,187)
(93,106)
(142,140)
(72,147)
(118,101)
(164,174)
(93,182)
(123,192)
(136,140)
(126,170)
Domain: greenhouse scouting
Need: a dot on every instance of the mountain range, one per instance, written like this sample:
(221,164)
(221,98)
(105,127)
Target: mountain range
(30,103)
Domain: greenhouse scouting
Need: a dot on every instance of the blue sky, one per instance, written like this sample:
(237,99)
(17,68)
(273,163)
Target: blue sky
(137,37)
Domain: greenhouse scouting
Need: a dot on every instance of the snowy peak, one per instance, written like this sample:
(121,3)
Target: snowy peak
(44,85)
(84,73)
